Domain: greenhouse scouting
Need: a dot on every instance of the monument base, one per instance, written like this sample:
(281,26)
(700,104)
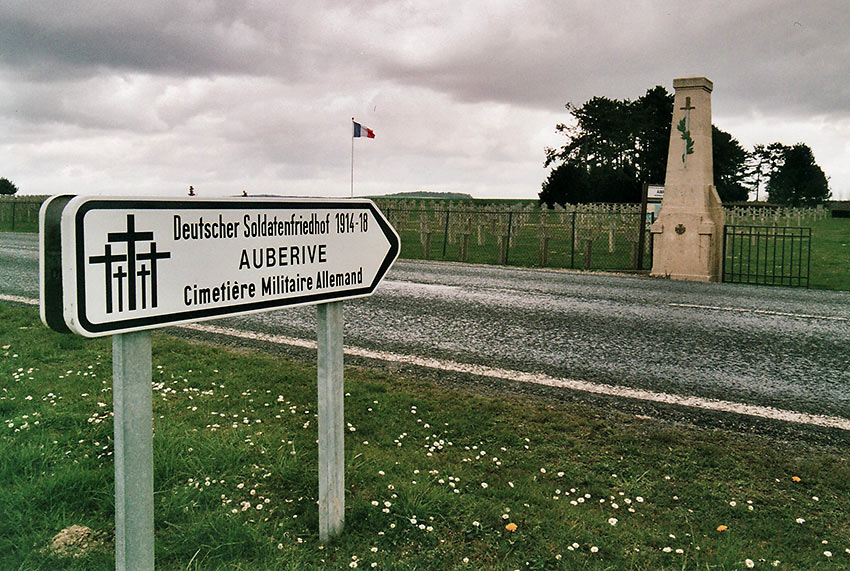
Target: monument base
(687,237)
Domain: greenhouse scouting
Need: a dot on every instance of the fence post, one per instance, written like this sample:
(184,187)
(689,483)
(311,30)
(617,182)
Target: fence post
(465,232)
(464,247)
(508,237)
(425,233)
(14,202)
(544,240)
(642,226)
(573,242)
(651,241)
(809,260)
(446,234)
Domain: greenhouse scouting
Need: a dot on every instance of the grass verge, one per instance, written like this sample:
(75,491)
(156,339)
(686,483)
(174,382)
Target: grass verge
(831,254)
(435,479)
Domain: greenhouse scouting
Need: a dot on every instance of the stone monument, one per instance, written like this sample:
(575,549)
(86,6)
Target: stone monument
(688,234)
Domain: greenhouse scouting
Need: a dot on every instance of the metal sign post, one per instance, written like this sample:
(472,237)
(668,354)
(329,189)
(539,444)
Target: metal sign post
(132,400)
(119,266)
(331,428)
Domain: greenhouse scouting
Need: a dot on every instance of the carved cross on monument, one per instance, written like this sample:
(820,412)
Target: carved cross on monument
(684,127)
(687,109)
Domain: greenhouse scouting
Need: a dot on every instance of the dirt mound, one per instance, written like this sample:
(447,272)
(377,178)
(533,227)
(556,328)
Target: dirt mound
(76,541)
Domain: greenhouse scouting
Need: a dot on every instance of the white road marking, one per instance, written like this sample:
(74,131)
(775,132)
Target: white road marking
(18,299)
(535,378)
(542,379)
(759,311)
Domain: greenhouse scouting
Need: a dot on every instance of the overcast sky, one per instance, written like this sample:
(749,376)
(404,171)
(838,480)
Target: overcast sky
(149,97)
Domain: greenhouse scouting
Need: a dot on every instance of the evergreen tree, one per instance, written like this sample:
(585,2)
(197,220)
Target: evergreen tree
(654,113)
(566,184)
(620,144)
(761,164)
(729,159)
(798,181)
(7,186)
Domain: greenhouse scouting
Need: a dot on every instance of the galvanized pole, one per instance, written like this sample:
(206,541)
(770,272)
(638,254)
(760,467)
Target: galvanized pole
(132,400)
(331,429)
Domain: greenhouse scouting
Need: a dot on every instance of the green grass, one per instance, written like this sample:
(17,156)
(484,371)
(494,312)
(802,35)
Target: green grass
(831,254)
(433,475)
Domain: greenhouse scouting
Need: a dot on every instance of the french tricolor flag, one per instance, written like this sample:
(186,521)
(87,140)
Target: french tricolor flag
(361,131)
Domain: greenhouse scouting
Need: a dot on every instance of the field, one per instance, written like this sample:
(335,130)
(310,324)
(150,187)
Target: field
(831,254)
(436,478)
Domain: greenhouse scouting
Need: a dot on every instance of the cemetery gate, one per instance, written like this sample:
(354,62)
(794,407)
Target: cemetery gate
(767,255)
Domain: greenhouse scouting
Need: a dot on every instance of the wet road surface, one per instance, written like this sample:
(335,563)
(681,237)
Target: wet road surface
(778,347)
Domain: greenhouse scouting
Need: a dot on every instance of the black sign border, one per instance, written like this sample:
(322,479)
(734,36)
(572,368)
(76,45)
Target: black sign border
(201,314)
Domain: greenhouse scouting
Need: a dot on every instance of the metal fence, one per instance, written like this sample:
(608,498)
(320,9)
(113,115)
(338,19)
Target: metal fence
(536,238)
(767,255)
(19,213)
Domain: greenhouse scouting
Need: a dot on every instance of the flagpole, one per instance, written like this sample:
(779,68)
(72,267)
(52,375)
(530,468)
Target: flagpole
(352,157)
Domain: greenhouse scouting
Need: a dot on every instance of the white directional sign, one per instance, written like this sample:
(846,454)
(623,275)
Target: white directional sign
(131,264)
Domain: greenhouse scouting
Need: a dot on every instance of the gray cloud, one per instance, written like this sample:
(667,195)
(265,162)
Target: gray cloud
(462,97)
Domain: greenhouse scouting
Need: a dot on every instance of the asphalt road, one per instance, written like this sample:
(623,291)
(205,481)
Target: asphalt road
(777,347)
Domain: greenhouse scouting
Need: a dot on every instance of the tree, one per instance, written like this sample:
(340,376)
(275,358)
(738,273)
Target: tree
(798,181)
(611,148)
(761,164)
(599,137)
(621,144)
(7,186)
(729,159)
(566,184)
(655,112)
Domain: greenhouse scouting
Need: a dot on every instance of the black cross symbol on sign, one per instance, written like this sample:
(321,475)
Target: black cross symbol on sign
(131,237)
(153,256)
(108,258)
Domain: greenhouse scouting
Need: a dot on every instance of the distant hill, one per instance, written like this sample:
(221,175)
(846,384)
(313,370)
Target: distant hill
(428,194)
